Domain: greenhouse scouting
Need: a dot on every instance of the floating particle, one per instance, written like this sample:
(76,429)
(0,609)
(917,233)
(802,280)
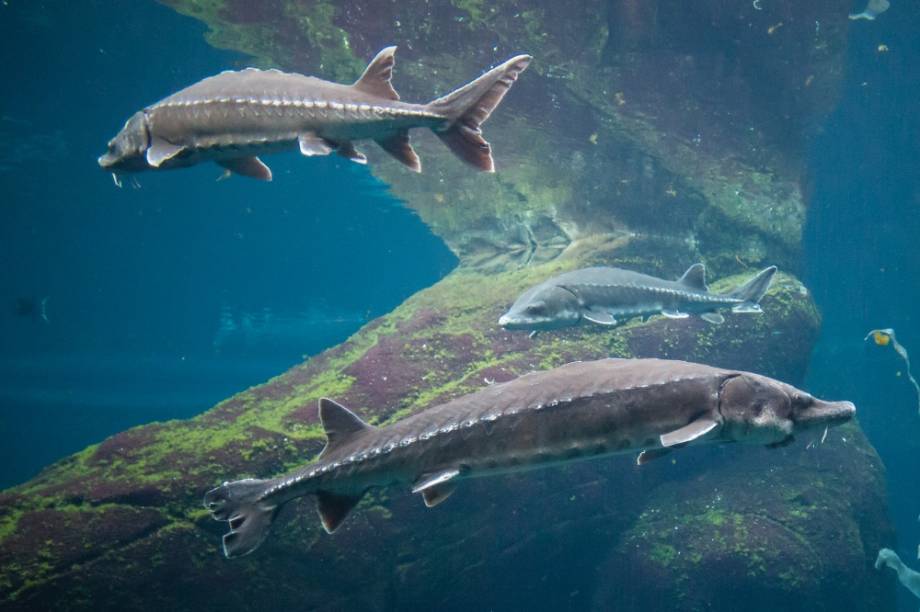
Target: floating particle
(873,9)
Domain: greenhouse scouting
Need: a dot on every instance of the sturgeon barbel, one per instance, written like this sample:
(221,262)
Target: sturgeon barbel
(579,411)
(233,117)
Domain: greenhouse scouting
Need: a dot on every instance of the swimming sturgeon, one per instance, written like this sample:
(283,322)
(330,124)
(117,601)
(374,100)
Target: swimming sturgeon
(605,296)
(233,117)
(578,411)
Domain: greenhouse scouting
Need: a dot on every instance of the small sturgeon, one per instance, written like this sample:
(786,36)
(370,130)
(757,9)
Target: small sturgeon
(235,116)
(606,295)
(578,411)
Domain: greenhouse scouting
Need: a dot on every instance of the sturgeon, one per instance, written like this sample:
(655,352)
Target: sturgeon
(577,411)
(233,117)
(605,296)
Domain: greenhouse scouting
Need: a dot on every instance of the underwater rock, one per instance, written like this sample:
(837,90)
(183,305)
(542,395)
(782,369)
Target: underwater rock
(684,122)
(120,525)
(679,144)
(774,528)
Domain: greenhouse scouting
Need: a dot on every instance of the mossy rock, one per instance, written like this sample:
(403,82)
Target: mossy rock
(649,151)
(777,529)
(136,496)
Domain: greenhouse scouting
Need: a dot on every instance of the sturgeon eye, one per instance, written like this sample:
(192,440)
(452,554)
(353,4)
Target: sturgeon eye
(536,309)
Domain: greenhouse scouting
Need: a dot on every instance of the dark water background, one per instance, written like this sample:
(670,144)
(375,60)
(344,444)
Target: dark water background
(165,299)
(862,253)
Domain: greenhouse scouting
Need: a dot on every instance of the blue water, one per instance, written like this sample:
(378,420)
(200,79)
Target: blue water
(863,257)
(164,299)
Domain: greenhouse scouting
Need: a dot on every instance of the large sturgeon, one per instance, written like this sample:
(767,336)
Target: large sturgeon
(605,296)
(578,411)
(232,117)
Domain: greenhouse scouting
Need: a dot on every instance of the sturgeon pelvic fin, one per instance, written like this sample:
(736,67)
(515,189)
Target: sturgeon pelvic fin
(651,454)
(311,144)
(376,78)
(436,487)
(252,167)
(468,108)
(348,151)
(715,318)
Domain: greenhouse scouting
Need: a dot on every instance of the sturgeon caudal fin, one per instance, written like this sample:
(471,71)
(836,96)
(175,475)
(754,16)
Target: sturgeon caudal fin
(752,291)
(240,503)
(468,108)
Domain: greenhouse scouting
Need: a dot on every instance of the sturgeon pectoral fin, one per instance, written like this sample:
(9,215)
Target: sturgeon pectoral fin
(674,314)
(713,317)
(161,151)
(253,167)
(434,479)
(438,493)
(599,317)
(311,144)
(747,308)
(688,433)
(348,151)
(333,508)
(651,454)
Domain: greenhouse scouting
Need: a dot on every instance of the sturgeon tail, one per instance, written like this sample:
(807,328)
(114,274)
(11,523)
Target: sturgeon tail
(241,504)
(468,108)
(751,292)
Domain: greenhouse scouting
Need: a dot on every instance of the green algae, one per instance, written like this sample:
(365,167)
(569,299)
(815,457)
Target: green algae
(749,215)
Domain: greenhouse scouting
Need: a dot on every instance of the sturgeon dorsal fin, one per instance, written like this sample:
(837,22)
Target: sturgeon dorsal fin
(339,423)
(694,277)
(377,75)
(333,508)
(688,433)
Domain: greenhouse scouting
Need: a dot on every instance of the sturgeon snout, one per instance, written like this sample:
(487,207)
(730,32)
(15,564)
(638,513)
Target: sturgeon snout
(824,414)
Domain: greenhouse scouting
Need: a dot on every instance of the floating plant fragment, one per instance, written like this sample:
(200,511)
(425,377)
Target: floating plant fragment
(908,577)
(884,337)
(873,9)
